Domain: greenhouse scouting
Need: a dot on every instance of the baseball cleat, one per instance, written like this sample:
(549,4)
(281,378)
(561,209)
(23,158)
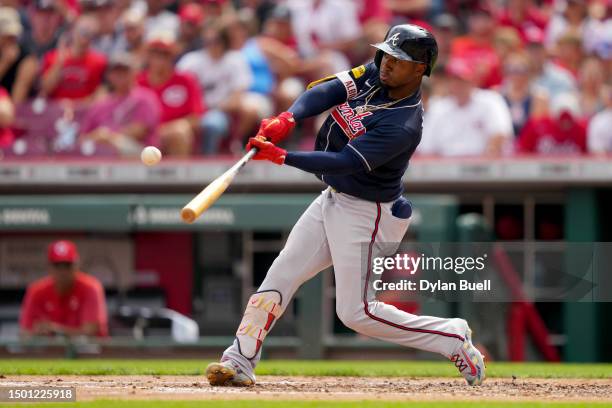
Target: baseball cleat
(227,374)
(469,361)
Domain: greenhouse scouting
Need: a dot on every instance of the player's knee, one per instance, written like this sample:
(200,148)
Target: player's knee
(351,317)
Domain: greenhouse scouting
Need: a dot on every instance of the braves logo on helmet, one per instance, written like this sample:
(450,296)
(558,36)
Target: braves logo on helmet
(394,39)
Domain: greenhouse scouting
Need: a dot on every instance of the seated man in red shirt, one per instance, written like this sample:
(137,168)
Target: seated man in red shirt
(178,93)
(74,70)
(67,302)
(562,132)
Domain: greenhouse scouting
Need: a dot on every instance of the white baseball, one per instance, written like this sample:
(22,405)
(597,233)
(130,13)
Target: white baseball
(150,155)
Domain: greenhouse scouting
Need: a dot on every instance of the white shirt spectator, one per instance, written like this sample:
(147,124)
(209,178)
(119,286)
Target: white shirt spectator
(599,135)
(453,130)
(163,21)
(332,20)
(218,79)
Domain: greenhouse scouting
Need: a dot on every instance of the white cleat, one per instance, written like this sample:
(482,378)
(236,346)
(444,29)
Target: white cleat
(227,374)
(469,361)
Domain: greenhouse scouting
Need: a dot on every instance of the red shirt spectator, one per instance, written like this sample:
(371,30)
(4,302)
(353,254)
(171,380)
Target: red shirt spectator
(81,75)
(485,59)
(523,16)
(66,302)
(6,116)
(560,133)
(477,46)
(179,96)
(73,70)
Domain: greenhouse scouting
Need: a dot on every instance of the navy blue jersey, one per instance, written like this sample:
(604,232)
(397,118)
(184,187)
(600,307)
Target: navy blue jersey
(383,139)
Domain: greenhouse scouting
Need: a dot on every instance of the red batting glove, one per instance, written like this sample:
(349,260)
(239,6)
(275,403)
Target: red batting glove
(277,128)
(266,151)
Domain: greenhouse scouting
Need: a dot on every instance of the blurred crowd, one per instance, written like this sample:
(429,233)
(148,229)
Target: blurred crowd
(195,77)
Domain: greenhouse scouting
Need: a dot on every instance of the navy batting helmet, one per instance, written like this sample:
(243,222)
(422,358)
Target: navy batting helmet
(410,43)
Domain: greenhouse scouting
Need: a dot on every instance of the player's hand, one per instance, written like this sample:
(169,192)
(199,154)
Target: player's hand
(266,150)
(277,128)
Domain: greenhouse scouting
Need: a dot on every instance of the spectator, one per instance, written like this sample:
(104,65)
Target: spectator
(125,120)
(546,75)
(224,77)
(506,42)
(7,116)
(273,66)
(562,132)
(133,34)
(11,53)
(315,24)
(278,26)
(261,8)
(445,30)
(570,19)
(190,30)
(158,19)
(477,45)
(67,302)
(106,12)
(46,25)
(74,70)
(517,90)
(599,137)
(597,30)
(591,78)
(415,9)
(569,53)
(523,16)
(467,122)
(178,93)
(214,9)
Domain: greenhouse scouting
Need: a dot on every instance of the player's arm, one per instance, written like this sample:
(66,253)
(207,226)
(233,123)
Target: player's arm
(318,99)
(340,163)
(365,153)
(320,96)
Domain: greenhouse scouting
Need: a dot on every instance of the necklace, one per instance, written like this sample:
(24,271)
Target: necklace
(366,107)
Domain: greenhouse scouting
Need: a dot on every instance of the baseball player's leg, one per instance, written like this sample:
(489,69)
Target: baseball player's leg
(305,254)
(355,229)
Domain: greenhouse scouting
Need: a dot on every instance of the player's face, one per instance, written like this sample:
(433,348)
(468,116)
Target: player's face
(63,275)
(395,72)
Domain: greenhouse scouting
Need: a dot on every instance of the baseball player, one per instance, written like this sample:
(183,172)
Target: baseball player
(361,153)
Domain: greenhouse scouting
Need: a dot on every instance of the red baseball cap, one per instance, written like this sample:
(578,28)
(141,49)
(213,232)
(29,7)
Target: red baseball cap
(462,68)
(191,13)
(62,251)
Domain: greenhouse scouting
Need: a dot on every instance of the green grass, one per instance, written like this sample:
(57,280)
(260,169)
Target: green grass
(310,404)
(296,367)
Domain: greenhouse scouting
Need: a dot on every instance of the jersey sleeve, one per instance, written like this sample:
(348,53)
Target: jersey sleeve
(352,80)
(380,145)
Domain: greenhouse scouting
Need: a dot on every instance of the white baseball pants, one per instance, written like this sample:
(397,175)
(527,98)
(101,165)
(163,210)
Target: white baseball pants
(347,232)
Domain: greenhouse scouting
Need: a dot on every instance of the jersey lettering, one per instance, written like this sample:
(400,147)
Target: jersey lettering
(350,121)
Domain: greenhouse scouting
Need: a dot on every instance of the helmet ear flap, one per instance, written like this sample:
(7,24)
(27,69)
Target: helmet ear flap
(378,58)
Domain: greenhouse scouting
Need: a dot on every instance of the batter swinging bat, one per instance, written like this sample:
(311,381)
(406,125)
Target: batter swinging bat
(213,191)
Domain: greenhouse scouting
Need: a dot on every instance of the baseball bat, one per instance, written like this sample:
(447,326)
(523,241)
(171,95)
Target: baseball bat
(213,191)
